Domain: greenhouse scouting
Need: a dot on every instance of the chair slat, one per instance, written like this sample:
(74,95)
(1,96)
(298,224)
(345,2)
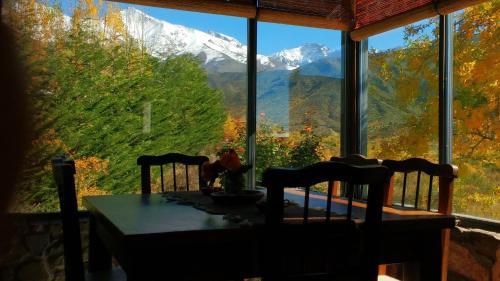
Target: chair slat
(350,196)
(187,178)
(329,200)
(419,173)
(429,195)
(161,177)
(175,178)
(404,190)
(306,204)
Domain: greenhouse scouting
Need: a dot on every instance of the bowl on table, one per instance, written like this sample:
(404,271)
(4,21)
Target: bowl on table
(242,197)
(209,190)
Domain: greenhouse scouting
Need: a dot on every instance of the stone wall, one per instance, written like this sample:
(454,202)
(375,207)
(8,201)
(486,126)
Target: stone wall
(474,255)
(36,253)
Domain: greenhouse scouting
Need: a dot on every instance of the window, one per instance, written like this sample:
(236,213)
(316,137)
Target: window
(109,82)
(403,96)
(476,148)
(298,95)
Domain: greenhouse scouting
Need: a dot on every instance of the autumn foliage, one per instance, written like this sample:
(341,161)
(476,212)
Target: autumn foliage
(93,90)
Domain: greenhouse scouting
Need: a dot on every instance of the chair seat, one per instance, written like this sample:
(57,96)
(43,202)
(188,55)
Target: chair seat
(115,274)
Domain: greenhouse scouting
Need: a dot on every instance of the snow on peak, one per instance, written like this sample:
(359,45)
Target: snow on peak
(163,39)
(296,57)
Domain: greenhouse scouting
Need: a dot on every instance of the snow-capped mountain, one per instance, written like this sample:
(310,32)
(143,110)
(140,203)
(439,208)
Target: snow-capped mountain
(217,50)
(296,57)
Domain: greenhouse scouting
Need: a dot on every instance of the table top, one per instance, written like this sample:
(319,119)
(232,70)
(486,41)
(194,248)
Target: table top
(135,214)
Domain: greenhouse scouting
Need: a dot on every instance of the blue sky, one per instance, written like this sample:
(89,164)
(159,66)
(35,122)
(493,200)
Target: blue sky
(271,37)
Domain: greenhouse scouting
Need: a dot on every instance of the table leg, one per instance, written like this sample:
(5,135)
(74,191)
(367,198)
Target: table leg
(431,264)
(99,257)
(411,271)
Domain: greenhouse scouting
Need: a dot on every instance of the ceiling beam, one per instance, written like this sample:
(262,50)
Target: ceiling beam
(274,16)
(449,6)
(443,7)
(236,8)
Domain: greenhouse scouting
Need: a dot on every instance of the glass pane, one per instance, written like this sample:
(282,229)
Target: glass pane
(298,95)
(403,94)
(476,149)
(110,82)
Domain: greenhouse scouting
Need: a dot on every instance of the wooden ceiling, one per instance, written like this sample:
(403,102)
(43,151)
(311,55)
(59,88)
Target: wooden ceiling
(363,18)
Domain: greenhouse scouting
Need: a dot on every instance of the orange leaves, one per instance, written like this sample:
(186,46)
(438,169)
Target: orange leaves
(88,172)
(476,119)
(231,128)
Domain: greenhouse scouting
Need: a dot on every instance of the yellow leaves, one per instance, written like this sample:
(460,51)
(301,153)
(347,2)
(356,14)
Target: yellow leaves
(329,146)
(114,23)
(234,128)
(88,171)
(230,130)
(465,71)
(91,10)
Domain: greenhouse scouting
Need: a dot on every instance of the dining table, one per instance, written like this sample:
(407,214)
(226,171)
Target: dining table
(186,236)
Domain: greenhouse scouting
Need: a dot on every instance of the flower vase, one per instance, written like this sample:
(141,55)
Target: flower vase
(233,182)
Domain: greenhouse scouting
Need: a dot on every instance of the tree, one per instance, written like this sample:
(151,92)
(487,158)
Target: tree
(407,76)
(90,86)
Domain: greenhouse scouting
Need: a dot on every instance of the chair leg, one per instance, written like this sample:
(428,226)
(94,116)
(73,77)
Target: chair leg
(411,271)
(99,257)
(431,265)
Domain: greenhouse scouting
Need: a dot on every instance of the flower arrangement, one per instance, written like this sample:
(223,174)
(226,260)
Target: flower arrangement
(229,169)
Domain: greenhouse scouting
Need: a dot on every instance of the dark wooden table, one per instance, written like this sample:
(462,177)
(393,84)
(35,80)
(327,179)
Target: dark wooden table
(154,239)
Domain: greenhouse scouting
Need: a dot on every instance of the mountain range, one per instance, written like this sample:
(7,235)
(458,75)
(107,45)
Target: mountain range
(217,51)
(294,86)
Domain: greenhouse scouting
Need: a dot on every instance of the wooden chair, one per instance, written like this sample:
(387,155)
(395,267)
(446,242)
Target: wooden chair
(352,192)
(63,171)
(146,161)
(340,261)
(445,173)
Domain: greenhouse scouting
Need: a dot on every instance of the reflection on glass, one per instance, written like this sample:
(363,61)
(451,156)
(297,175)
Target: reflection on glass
(403,95)
(298,98)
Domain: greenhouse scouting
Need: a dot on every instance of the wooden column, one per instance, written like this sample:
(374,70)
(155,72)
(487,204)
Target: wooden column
(445,124)
(252,99)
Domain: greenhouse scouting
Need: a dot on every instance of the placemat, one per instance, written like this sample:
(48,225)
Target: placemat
(246,214)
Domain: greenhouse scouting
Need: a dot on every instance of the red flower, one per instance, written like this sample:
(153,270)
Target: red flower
(230,160)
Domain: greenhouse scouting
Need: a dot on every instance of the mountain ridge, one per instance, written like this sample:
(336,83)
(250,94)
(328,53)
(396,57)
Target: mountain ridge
(162,39)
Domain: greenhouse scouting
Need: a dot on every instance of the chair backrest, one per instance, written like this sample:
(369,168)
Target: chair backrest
(146,161)
(445,172)
(350,191)
(63,171)
(277,179)
(336,264)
